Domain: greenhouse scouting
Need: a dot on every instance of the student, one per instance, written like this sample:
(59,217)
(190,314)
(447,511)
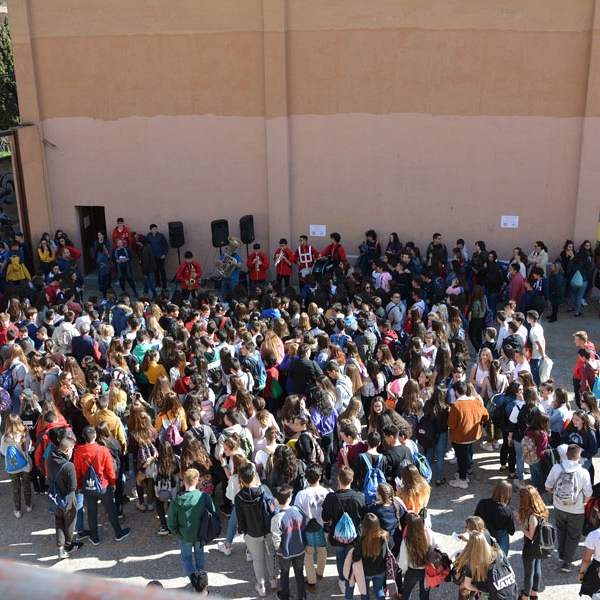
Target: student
(184,519)
(249,503)
(496,514)
(287,528)
(310,501)
(335,505)
(371,548)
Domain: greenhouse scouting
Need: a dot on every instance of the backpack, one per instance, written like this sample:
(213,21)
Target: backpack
(5,401)
(544,539)
(6,381)
(144,453)
(172,434)
(413,421)
(373,478)
(55,497)
(91,482)
(345,530)
(276,389)
(48,446)
(438,568)
(210,527)
(426,433)
(314,536)
(165,488)
(538,302)
(423,465)
(565,488)
(245,445)
(317,456)
(15,460)
(591,521)
(270,507)
(529,450)
(501,580)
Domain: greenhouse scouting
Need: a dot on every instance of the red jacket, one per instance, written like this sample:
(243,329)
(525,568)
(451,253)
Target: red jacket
(335,251)
(579,364)
(260,273)
(185,273)
(43,439)
(103,465)
(283,268)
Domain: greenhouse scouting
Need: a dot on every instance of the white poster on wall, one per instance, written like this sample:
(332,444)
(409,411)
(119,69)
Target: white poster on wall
(509,222)
(318,230)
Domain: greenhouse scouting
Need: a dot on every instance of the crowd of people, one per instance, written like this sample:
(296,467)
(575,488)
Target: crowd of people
(319,418)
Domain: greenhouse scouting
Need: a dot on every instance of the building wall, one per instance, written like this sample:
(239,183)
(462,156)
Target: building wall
(401,115)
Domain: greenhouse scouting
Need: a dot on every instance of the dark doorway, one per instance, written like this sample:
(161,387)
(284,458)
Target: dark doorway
(91,221)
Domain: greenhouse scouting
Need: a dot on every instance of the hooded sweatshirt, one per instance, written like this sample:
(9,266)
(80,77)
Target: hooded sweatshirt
(186,513)
(583,483)
(249,510)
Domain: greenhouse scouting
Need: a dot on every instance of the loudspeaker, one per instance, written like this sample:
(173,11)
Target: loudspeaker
(176,236)
(220,232)
(247,229)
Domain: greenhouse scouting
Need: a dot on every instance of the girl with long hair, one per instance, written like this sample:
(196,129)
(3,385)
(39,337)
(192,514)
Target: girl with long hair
(481,369)
(579,432)
(531,510)
(476,316)
(539,431)
(194,456)
(141,446)
(386,361)
(414,555)
(14,445)
(414,490)
(373,384)
(377,407)
(151,367)
(371,547)
(436,411)
(410,405)
(260,421)
(171,412)
(19,367)
(353,373)
(352,413)
(159,392)
(324,417)
(104,438)
(476,560)
(167,483)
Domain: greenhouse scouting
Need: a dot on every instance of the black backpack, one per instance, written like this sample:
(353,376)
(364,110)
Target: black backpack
(426,433)
(544,539)
(538,302)
(501,580)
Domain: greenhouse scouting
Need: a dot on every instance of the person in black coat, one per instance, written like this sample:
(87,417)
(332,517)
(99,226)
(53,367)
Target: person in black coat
(497,515)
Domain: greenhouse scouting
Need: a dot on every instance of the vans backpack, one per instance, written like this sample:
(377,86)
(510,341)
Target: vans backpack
(55,497)
(565,488)
(529,450)
(373,478)
(91,482)
(501,580)
(344,531)
(544,539)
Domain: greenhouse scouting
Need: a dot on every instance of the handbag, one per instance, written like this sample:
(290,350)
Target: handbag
(577,280)
(391,565)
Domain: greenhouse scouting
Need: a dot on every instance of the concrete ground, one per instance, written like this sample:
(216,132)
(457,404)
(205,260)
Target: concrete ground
(144,555)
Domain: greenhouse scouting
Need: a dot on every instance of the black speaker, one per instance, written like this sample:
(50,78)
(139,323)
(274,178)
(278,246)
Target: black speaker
(247,229)
(176,236)
(220,232)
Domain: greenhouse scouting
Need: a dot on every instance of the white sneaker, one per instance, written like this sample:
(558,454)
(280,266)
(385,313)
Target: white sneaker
(238,538)
(248,555)
(449,454)
(222,547)
(261,590)
(18,514)
(456,476)
(459,483)
(342,585)
(487,446)
(584,302)
(519,483)
(273,583)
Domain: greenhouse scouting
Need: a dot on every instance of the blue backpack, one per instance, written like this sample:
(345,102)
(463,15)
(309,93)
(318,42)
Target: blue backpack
(15,460)
(55,497)
(345,530)
(423,465)
(257,369)
(91,482)
(373,478)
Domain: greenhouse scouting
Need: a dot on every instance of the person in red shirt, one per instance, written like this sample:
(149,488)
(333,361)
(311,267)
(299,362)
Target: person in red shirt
(75,254)
(337,253)
(120,232)
(283,259)
(5,325)
(305,257)
(258,265)
(188,274)
(93,454)
(581,341)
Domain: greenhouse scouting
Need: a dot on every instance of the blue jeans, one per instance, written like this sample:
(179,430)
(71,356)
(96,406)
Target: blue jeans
(79,521)
(231,527)
(536,477)
(378,582)
(149,284)
(438,450)
(503,540)
(519,459)
(576,297)
(227,287)
(186,556)
(340,556)
(534,364)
